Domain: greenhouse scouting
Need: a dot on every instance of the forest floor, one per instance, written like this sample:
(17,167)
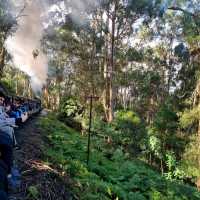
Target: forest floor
(38,180)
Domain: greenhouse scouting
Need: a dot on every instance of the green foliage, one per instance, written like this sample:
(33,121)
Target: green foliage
(118,155)
(6,18)
(131,125)
(170,160)
(173,172)
(181,51)
(189,117)
(166,119)
(134,55)
(70,112)
(126,131)
(105,130)
(163,145)
(33,192)
(148,7)
(6,83)
(108,177)
(154,143)
(127,118)
(191,160)
(70,107)
(16,82)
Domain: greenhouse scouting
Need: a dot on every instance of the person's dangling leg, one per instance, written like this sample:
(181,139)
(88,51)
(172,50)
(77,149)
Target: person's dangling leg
(3,176)
(12,133)
(7,156)
(3,195)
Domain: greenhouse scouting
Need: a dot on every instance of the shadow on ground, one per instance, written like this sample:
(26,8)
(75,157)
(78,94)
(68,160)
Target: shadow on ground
(39,181)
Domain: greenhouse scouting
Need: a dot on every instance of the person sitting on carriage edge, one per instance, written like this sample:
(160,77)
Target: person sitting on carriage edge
(6,163)
(3,180)
(15,107)
(3,195)
(6,149)
(6,123)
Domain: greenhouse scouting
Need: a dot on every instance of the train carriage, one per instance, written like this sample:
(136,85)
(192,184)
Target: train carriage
(18,110)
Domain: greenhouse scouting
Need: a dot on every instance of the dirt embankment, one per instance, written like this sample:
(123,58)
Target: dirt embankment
(39,181)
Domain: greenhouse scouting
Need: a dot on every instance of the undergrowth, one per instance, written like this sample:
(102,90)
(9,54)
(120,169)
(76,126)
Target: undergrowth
(111,174)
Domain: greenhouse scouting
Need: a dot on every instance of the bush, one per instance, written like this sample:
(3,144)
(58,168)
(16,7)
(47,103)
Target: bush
(70,108)
(69,111)
(133,128)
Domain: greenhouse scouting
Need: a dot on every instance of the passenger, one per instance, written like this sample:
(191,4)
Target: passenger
(3,195)
(3,178)
(6,149)
(6,163)
(2,106)
(8,108)
(24,115)
(6,123)
(13,106)
(18,113)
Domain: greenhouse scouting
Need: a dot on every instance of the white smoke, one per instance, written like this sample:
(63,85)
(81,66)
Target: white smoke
(76,9)
(79,7)
(27,39)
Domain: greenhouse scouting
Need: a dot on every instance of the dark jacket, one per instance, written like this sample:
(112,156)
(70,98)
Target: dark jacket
(3,175)
(3,195)
(5,139)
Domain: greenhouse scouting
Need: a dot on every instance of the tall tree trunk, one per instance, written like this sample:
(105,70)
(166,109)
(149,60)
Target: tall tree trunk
(109,67)
(196,103)
(198,129)
(2,60)
(106,61)
(111,88)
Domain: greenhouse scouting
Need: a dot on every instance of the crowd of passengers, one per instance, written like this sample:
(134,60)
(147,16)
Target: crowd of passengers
(13,112)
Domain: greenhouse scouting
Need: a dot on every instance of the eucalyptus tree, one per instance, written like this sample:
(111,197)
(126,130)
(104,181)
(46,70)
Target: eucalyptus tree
(189,18)
(98,41)
(8,24)
(16,81)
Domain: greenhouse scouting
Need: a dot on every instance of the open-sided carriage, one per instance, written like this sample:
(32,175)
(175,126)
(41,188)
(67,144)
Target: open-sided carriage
(20,108)
(14,110)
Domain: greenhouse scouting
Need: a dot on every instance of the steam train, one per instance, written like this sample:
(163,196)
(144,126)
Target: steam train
(19,109)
